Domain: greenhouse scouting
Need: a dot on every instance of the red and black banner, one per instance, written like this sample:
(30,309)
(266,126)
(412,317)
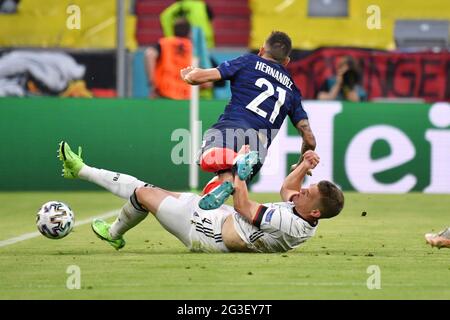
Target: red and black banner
(424,75)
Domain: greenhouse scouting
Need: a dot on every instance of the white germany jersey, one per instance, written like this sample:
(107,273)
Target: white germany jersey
(276,228)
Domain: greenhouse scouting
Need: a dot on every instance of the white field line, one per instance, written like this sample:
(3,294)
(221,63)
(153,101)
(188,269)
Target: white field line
(26,236)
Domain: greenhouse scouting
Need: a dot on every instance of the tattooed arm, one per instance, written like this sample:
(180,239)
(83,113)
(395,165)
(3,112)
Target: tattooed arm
(309,141)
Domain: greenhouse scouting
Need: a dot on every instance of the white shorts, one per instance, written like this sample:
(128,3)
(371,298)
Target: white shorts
(200,230)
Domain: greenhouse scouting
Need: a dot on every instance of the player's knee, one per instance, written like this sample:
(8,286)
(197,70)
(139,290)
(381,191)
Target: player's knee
(205,165)
(217,159)
(142,195)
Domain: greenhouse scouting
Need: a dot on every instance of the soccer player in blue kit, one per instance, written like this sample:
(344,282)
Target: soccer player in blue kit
(262,95)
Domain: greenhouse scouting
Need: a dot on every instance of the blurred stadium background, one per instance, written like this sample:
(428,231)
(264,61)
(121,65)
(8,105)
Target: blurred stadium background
(397,141)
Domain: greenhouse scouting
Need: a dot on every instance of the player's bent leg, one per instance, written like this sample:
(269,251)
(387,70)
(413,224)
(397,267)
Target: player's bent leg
(131,214)
(102,230)
(245,164)
(217,196)
(244,167)
(150,198)
(135,210)
(175,215)
(217,159)
(216,181)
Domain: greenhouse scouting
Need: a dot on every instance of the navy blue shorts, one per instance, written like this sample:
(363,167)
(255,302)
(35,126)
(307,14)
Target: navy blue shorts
(234,139)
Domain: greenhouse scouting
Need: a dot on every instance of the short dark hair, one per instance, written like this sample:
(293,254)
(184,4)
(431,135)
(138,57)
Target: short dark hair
(331,199)
(181,28)
(278,45)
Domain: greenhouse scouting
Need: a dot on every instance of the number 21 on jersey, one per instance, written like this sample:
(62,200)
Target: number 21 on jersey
(270,91)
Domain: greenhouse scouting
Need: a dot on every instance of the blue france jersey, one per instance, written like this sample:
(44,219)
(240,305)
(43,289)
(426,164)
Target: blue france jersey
(262,95)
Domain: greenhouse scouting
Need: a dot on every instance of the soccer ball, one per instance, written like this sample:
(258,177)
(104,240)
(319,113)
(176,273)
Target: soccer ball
(55,219)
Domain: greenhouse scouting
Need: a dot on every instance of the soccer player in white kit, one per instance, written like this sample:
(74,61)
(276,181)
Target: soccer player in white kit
(247,226)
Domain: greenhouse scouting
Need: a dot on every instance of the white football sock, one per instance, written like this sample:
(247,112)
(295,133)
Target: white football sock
(129,217)
(120,184)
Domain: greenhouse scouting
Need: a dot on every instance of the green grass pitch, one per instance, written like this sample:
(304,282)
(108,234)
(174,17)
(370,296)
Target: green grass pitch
(155,265)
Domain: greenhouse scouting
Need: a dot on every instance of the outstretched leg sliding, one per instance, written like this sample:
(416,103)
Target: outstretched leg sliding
(119,184)
(122,185)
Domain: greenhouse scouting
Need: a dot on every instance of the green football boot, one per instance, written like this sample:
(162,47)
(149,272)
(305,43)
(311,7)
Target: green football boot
(72,162)
(101,229)
(216,197)
(245,163)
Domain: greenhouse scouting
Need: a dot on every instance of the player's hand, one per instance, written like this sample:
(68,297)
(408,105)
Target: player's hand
(184,74)
(311,159)
(294,166)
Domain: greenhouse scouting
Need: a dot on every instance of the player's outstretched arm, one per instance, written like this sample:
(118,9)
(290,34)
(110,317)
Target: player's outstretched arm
(196,76)
(242,204)
(309,141)
(293,182)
